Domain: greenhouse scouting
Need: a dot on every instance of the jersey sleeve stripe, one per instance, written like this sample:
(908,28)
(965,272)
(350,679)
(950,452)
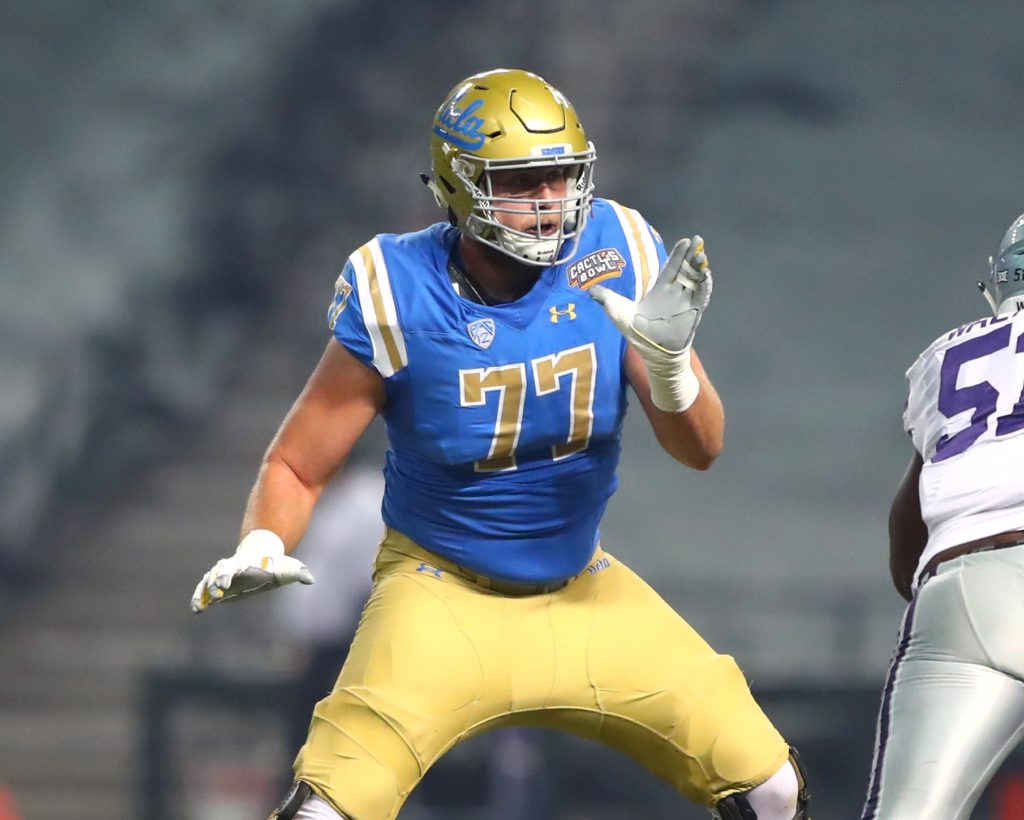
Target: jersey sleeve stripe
(639,261)
(648,248)
(389,353)
(394,326)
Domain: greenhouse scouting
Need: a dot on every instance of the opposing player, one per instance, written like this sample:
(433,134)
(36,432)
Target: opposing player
(503,387)
(953,703)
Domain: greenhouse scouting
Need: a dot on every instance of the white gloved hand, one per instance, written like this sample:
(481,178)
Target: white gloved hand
(259,563)
(661,326)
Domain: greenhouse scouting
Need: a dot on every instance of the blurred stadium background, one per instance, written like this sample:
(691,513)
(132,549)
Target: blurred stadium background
(183,181)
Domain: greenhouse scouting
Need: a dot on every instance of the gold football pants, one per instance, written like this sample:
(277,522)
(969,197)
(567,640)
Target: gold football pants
(438,658)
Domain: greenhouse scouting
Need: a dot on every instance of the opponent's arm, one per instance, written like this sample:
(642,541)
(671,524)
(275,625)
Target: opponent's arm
(908,534)
(336,406)
(693,437)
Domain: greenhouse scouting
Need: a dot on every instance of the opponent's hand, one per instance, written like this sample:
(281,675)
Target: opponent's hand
(667,317)
(661,326)
(259,563)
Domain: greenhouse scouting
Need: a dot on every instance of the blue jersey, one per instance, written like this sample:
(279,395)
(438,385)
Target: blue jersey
(504,421)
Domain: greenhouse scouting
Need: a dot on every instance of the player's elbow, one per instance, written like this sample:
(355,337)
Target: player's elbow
(694,437)
(705,460)
(278,467)
(700,456)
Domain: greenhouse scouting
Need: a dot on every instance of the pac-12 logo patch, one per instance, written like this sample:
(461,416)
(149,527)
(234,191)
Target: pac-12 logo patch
(595,267)
(482,332)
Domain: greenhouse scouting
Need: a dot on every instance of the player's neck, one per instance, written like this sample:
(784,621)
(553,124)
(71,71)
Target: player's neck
(496,277)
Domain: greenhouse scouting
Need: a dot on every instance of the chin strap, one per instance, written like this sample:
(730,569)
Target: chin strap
(988,297)
(435,189)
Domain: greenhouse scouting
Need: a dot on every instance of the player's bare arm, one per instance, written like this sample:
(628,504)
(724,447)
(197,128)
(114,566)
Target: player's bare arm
(336,406)
(907,531)
(693,437)
(662,368)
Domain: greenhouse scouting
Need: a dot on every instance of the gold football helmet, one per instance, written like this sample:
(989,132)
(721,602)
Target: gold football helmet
(503,120)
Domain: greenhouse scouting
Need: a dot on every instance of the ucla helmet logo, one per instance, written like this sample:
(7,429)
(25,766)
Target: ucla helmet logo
(461,126)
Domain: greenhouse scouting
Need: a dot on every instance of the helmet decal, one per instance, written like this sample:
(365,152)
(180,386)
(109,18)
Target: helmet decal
(550,150)
(461,127)
(1006,271)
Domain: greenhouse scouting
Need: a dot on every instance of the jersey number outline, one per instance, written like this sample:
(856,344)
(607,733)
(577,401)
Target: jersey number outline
(980,397)
(577,364)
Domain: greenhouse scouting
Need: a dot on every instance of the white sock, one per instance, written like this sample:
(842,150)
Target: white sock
(775,799)
(316,809)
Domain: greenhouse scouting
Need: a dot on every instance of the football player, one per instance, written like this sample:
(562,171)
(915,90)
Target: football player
(953,702)
(498,347)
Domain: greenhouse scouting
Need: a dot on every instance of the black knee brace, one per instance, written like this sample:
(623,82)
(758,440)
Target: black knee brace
(803,794)
(733,807)
(292,801)
(737,807)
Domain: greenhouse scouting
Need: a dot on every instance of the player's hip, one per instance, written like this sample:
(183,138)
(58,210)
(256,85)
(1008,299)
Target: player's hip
(969,609)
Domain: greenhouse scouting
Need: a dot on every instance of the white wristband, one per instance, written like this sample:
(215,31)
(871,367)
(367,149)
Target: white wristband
(260,543)
(674,385)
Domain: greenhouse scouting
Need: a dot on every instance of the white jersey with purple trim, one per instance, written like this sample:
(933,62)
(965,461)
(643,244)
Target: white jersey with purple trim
(953,701)
(965,413)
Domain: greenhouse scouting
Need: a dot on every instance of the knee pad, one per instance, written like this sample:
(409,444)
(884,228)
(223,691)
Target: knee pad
(301,804)
(738,807)
(292,801)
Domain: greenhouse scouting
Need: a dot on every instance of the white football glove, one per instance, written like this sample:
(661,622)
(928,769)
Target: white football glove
(259,563)
(661,326)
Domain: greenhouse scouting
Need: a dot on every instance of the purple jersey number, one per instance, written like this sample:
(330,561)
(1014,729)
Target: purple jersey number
(981,397)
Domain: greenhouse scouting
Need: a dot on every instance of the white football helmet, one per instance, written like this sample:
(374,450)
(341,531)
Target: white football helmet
(1006,272)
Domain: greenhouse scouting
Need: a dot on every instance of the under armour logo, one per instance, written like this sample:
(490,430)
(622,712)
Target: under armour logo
(427,568)
(570,311)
